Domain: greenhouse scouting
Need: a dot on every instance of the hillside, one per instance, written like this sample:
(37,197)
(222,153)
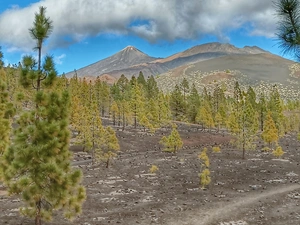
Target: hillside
(258,70)
(130,61)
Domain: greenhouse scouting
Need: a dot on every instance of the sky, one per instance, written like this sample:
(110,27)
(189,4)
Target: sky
(86,31)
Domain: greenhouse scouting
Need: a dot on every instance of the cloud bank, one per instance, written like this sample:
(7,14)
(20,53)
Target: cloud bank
(153,20)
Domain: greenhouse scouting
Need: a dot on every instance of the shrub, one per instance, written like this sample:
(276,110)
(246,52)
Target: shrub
(278,152)
(266,149)
(216,149)
(204,178)
(153,169)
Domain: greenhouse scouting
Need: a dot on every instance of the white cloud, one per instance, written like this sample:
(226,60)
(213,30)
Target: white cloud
(74,20)
(59,59)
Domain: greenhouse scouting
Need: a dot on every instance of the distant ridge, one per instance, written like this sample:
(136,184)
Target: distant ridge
(130,60)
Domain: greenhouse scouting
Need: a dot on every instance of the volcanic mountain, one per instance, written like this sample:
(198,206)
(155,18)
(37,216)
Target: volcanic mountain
(127,57)
(130,61)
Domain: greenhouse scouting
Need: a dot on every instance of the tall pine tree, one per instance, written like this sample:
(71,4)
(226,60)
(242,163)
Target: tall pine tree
(37,166)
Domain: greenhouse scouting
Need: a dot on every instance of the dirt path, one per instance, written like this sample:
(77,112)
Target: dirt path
(227,210)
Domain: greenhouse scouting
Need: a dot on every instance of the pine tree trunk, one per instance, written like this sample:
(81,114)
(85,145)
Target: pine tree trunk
(38,220)
(135,115)
(261,122)
(38,84)
(107,163)
(102,111)
(114,119)
(123,119)
(119,121)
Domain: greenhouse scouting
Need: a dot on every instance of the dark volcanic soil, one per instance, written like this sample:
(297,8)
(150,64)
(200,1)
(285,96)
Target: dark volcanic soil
(259,190)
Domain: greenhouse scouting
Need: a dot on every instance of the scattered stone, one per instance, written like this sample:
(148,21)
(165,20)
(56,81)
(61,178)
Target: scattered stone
(240,222)
(281,160)
(123,192)
(280,181)
(295,195)
(292,174)
(255,187)
(99,219)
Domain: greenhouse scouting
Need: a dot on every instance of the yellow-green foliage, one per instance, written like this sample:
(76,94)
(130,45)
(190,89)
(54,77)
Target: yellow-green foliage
(266,149)
(298,137)
(153,169)
(204,116)
(205,174)
(278,152)
(216,149)
(146,123)
(205,178)
(203,156)
(173,142)
(270,133)
(108,146)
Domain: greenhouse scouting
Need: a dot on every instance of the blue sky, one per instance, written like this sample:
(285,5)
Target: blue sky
(88,31)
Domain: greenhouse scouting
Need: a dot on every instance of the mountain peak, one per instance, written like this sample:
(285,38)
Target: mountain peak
(254,49)
(129,47)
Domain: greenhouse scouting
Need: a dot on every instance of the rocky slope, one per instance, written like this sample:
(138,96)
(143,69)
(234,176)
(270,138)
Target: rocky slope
(130,61)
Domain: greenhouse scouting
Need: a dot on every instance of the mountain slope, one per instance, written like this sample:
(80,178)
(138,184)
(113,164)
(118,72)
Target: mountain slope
(127,57)
(261,71)
(258,67)
(130,61)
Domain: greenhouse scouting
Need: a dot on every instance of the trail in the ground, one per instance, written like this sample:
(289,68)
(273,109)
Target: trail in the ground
(227,210)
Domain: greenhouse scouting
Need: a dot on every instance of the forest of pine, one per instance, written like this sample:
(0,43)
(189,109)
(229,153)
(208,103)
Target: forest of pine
(41,112)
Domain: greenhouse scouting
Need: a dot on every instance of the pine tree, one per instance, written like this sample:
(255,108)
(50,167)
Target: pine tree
(173,142)
(177,104)
(1,59)
(164,112)
(218,99)
(270,132)
(37,164)
(237,97)
(246,125)
(108,147)
(203,156)
(278,152)
(205,174)
(141,80)
(288,30)
(144,122)
(151,87)
(6,113)
(185,88)
(193,104)
(152,112)
(114,109)
(275,105)
(205,178)
(218,119)
(102,93)
(137,101)
(204,117)
(262,110)
(125,113)
(251,97)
